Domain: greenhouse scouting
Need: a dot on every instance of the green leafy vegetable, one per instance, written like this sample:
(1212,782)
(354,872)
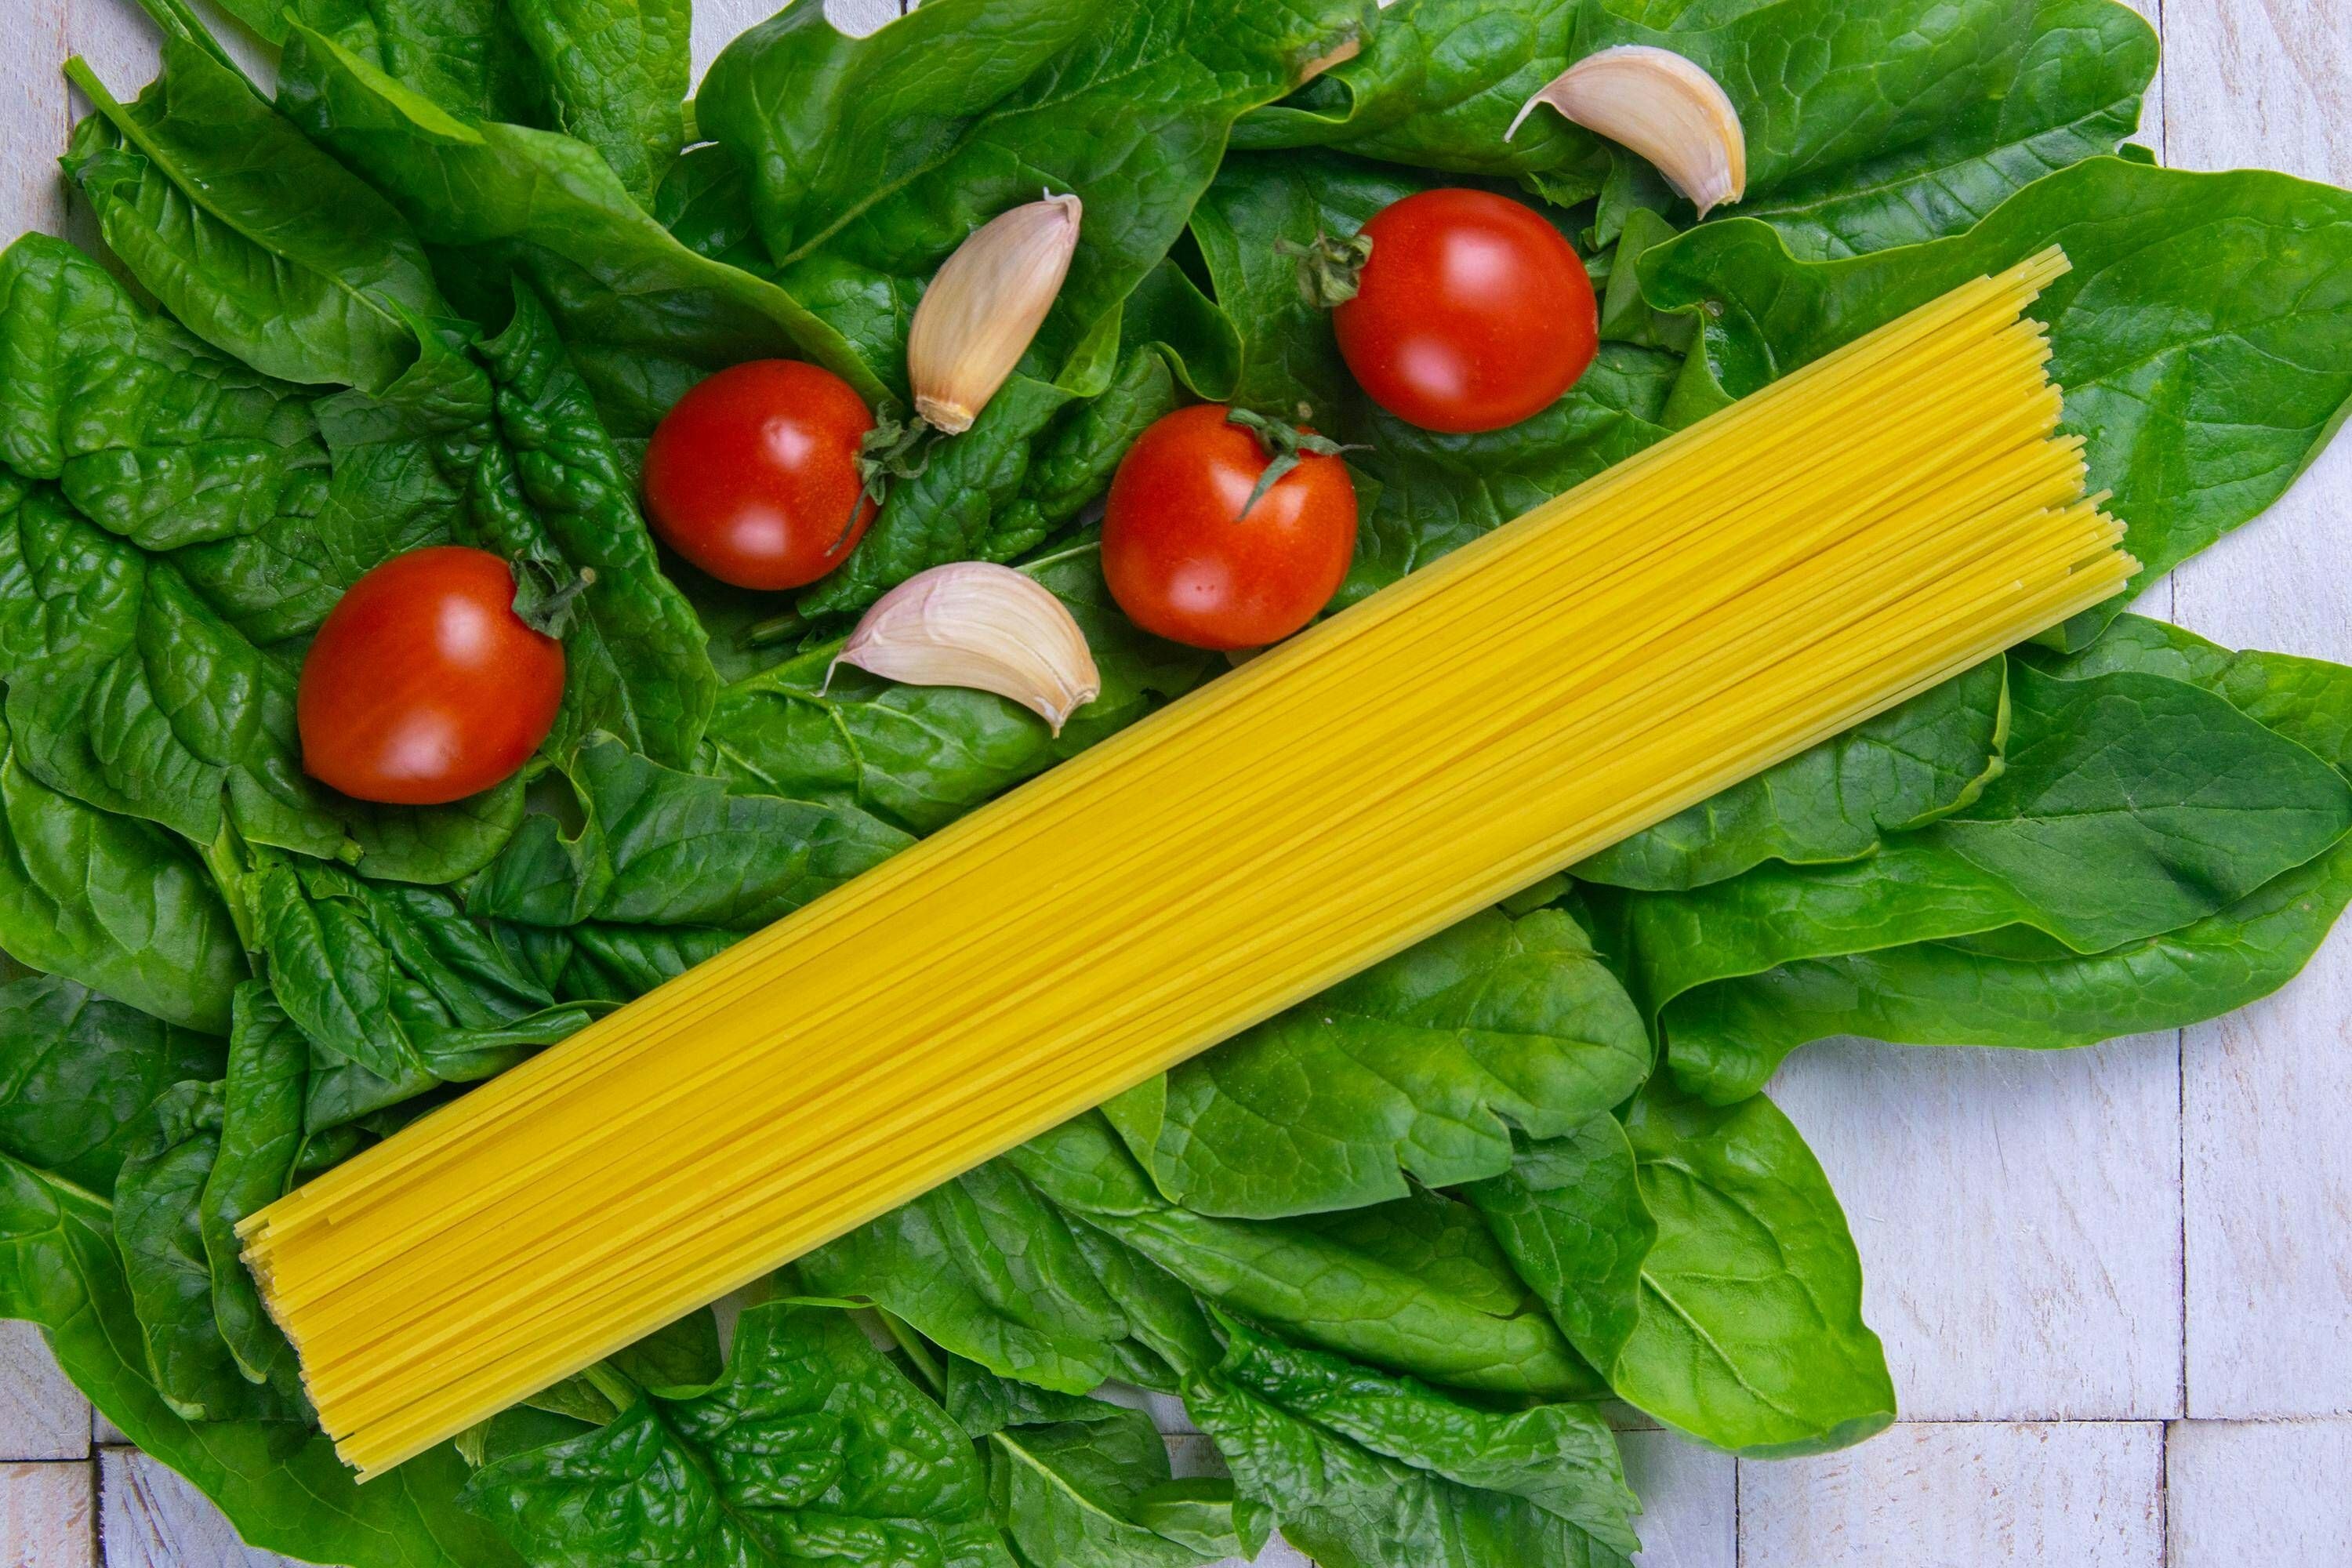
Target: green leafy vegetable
(79,1076)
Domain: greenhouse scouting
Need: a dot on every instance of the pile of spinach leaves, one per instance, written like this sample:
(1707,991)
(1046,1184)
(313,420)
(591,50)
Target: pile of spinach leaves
(1396,1250)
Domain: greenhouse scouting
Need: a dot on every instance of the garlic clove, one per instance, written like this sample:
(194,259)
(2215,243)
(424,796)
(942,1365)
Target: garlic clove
(1665,107)
(979,625)
(984,305)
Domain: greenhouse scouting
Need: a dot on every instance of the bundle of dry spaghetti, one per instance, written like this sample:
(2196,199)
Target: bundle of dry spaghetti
(1818,552)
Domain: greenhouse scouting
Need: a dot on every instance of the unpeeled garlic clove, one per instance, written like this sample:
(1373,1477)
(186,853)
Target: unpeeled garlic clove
(1665,107)
(984,305)
(979,625)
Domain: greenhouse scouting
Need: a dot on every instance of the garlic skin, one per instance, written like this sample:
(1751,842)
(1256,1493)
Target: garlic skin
(1664,106)
(982,625)
(984,305)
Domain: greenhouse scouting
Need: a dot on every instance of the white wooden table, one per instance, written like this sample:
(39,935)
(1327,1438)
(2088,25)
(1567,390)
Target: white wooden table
(2116,1285)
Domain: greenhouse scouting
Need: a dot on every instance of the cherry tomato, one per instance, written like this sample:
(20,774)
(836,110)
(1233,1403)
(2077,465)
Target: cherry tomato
(423,685)
(754,476)
(1472,312)
(1184,561)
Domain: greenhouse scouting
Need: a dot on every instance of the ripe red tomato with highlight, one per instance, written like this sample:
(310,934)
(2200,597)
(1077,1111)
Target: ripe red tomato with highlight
(1472,313)
(754,476)
(1186,563)
(423,685)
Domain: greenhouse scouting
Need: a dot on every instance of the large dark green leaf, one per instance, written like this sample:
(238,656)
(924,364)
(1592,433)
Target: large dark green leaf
(552,488)
(1417,1286)
(641,315)
(2131,805)
(2204,337)
(1569,1215)
(617,73)
(1421,1065)
(79,1075)
(394,988)
(814,1447)
(1436,86)
(2004,990)
(989,1271)
(113,902)
(261,1136)
(657,846)
(1750,1334)
(1364,1471)
(255,238)
(280,1482)
(1836,801)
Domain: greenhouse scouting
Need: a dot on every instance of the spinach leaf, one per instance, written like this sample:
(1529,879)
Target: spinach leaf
(617,75)
(552,488)
(1075,1483)
(1569,1214)
(1837,801)
(1562,1459)
(79,1075)
(158,1221)
(2204,337)
(258,241)
(642,316)
(1436,86)
(2001,991)
(1750,1335)
(813,1445)
(261,1136)
(278,1481)
(662,847)
(990,1271)
(1417,1286)
(113,902)
(468,55)
(2131,805)
(394,988)
(1420,1065)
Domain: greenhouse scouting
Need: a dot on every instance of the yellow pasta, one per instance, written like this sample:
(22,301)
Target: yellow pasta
(1818,552)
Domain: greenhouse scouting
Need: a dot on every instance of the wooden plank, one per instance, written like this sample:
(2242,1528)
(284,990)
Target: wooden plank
(150,1518)
(2017,1214)
(33,118)
(45,1517)
(2266,1492)
(1690,1499)
(2267,1094)
(1969,1495)
(42,1416)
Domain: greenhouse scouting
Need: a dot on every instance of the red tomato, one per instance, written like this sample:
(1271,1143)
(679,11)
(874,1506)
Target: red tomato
(1184,561)
(754,476)
(1472,312)
(424,685)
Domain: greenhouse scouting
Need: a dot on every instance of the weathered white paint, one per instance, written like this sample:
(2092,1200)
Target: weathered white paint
(2273,1493)
(42,1416)
(1690,1500)
(2267,1094)
(2019,1218)
(150,1518)
(1965,1495)
(45,1516)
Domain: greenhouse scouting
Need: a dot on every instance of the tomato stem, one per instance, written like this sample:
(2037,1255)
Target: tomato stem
(1330,270)
(1282,443)
(891,450)
(544,599)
